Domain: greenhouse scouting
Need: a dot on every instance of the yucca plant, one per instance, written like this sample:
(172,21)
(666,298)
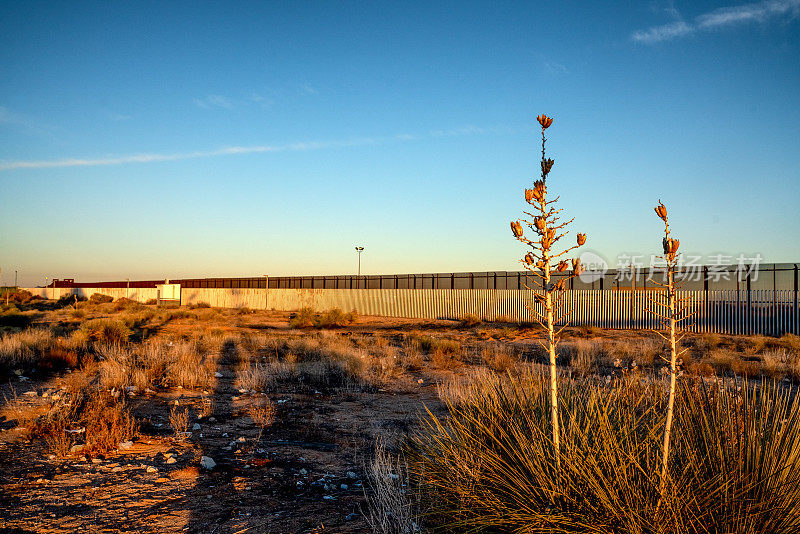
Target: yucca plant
(543,262)
(670,311)
(735,468)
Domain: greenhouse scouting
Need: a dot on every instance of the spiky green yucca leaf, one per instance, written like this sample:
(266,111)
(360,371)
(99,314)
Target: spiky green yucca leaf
(488,467)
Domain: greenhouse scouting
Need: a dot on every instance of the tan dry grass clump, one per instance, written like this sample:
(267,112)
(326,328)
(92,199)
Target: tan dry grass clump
(24,348)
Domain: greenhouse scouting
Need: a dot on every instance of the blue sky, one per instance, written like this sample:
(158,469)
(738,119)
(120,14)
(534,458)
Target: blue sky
(172,139)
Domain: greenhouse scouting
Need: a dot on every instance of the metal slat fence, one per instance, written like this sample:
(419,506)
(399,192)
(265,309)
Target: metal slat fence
(771,312)
(767,312)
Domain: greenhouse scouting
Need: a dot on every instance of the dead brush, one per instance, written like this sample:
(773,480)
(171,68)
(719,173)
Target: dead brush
(179,420)
(189,368)
(263,415)
(582,355)
(23,349)
(413,358)
(206,407)
(108,331)
(88,415)
(500,357)
(255,377)
(390,508)
(469,320)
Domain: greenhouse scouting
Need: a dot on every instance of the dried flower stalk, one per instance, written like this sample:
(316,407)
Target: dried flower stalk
(542,261)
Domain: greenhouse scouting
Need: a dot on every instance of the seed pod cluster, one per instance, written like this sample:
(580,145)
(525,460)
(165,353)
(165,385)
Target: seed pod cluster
(547,164)
(544,121)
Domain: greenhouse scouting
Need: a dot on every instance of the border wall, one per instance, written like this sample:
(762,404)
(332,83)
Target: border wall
(772,312)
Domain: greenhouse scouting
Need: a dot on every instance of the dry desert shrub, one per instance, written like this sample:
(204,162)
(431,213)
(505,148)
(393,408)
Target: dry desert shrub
(179,420)
(500,357)
(582,355)
(116,366)
(24,348)
(589,331)
(304,318)
(263,415)
(459,389)
(188,367)
(413,357)
(333,318)
(390,509)
(99,298)
(776,363)
(87,417)
(255,376)
(470,319)
(156,362)
(706,342)
(105,331)
(722,361)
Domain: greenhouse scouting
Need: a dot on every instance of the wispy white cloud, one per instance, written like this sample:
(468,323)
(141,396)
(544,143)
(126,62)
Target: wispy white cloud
(664,32)
(758,12)
(214,102)
(234,150)
(555,67)
(307,90)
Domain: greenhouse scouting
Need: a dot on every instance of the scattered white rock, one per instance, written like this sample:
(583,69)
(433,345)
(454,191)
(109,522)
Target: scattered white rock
(225,435)
(171,460)
(304,471)
(31,393)
(125,445)
(206,462)
(343,486)
(218,375)
(212,419)
(131,389)
(196,426)
(151,469)
(116,469)
(329,498)
(76,448)
(97,461)
(352,475)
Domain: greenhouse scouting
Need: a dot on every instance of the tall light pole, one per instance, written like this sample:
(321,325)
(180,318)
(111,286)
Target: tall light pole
(359,249)
(15,278)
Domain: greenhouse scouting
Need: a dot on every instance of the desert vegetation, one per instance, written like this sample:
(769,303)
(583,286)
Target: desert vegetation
(428,425)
